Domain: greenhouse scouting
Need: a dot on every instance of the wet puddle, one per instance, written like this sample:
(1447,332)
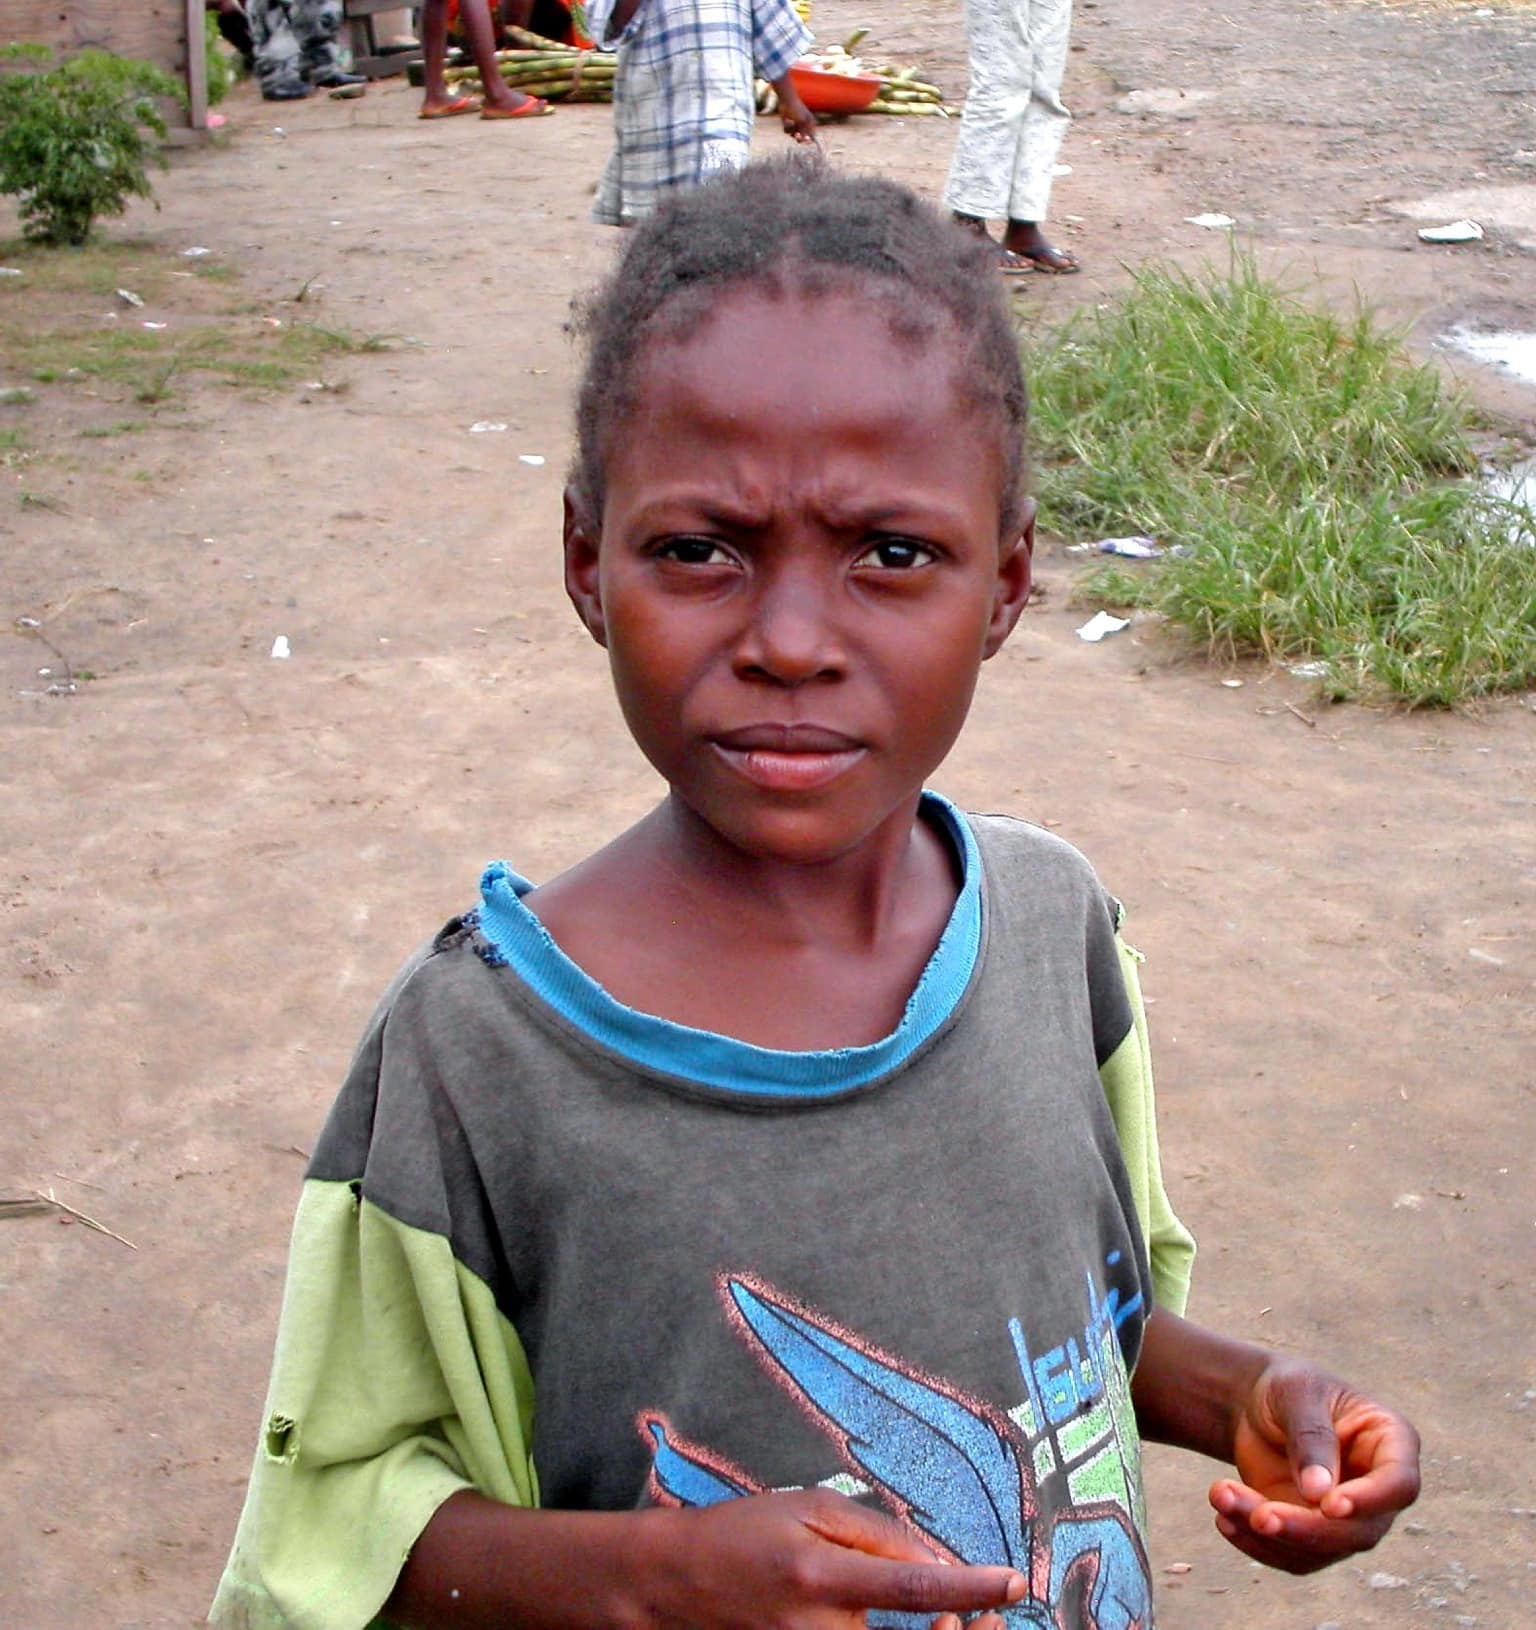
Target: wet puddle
(1506,349)
(1512,353)
(1516,486)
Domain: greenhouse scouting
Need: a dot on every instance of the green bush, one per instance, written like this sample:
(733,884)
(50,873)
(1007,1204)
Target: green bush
(222,62)
(76,139)
(1319,491)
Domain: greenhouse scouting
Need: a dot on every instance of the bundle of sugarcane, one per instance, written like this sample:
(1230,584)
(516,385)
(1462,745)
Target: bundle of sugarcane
(548,69)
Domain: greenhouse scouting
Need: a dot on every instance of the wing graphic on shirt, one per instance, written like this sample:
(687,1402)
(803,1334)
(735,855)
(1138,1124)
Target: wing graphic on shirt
(948,1464)
(956,1475)
(683,1473)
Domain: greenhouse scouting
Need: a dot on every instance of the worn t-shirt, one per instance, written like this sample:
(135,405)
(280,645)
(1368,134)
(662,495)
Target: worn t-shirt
(542,1231)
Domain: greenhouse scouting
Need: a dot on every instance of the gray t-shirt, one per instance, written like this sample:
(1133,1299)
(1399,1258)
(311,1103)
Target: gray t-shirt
(927,1290)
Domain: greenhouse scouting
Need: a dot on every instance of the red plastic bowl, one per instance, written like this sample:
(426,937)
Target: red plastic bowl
(834,93)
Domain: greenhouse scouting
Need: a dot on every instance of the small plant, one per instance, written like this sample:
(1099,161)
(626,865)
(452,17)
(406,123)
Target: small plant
(76,139)
(1318,489)
(221,62)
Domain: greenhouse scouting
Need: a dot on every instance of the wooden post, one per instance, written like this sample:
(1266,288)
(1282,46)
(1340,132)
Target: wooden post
(197,67)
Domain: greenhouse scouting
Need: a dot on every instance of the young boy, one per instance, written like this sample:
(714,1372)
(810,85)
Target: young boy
(684,97)
(760,1224)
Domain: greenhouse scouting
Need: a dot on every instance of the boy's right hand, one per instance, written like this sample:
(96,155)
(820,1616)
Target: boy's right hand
(812,1560)
(798,120)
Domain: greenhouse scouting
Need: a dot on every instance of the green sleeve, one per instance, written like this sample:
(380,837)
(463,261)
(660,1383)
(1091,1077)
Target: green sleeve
(1127,1078)
(396,1382)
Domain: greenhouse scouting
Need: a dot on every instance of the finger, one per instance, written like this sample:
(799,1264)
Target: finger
(1392,1482)
(934,1588)
(847,1523)
(1266,1551)
(1231,1498)
(1312,1443)
(1280,1525)
(1300,1532)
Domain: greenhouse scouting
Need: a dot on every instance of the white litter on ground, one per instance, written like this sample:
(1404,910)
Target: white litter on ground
(1452,232)
(1100,624)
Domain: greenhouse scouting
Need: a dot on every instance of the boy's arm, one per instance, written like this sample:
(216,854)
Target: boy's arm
(1322,1470)
(798,120)
(809,1558)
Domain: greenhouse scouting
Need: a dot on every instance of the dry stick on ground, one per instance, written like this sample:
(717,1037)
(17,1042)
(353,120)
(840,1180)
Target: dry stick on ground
(64,1177)
(25,1205)
(1306,719)
(50,1198)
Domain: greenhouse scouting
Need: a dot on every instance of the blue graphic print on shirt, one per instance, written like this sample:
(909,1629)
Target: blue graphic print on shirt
(965,1476)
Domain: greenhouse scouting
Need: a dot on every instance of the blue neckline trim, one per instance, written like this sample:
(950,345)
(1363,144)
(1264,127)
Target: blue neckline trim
(517,937)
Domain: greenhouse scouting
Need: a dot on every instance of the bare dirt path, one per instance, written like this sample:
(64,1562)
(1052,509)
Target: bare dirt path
(212,860)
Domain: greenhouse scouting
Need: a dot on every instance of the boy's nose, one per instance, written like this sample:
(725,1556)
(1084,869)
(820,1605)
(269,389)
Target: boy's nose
(790,637)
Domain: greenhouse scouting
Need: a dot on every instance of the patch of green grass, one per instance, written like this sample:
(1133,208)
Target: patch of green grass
(16,448)
(120,427)
(146,362)
(50,331)
(97,268)
(1312,481)
(212,270)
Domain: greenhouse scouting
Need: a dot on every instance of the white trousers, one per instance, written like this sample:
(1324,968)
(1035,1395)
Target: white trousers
(1013,123)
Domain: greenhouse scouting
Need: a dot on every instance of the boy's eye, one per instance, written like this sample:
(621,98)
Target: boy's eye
(895,555)
(693,552)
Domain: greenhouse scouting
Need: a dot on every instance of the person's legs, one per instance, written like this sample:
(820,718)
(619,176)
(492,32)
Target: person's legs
(276,49)
(1001,71)
(235,27)
(318,26)
(434,51)
(499,99)
(1041,131)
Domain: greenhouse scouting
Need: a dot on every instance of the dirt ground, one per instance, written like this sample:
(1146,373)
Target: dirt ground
(212,860)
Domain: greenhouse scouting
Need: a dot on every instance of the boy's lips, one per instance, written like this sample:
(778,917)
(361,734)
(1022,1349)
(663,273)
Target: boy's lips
(788,757)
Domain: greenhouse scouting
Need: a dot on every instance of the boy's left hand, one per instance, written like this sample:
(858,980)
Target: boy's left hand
(1323,1469)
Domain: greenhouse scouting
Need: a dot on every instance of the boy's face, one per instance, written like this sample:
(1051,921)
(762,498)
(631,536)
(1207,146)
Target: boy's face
(799,571)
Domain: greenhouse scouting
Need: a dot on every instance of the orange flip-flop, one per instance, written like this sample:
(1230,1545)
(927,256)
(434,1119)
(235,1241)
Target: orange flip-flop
(460,104)
(534,108)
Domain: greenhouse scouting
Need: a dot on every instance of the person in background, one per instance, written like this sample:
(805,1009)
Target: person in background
(684,96)
(1012,128)
(296,49)
(497,100)
(235,27)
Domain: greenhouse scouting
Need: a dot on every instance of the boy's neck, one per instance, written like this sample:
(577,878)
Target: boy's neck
(672,919)
(852,900)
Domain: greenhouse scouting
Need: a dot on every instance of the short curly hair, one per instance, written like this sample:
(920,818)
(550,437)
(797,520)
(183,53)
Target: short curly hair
(791,227)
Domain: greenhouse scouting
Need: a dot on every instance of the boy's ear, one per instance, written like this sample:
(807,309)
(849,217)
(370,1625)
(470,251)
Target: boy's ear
(1014,577)
(582,536)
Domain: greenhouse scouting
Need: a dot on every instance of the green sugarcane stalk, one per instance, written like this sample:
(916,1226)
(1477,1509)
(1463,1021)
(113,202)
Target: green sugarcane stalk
(563,90)
(585,76)
(537,42)
(910,109)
